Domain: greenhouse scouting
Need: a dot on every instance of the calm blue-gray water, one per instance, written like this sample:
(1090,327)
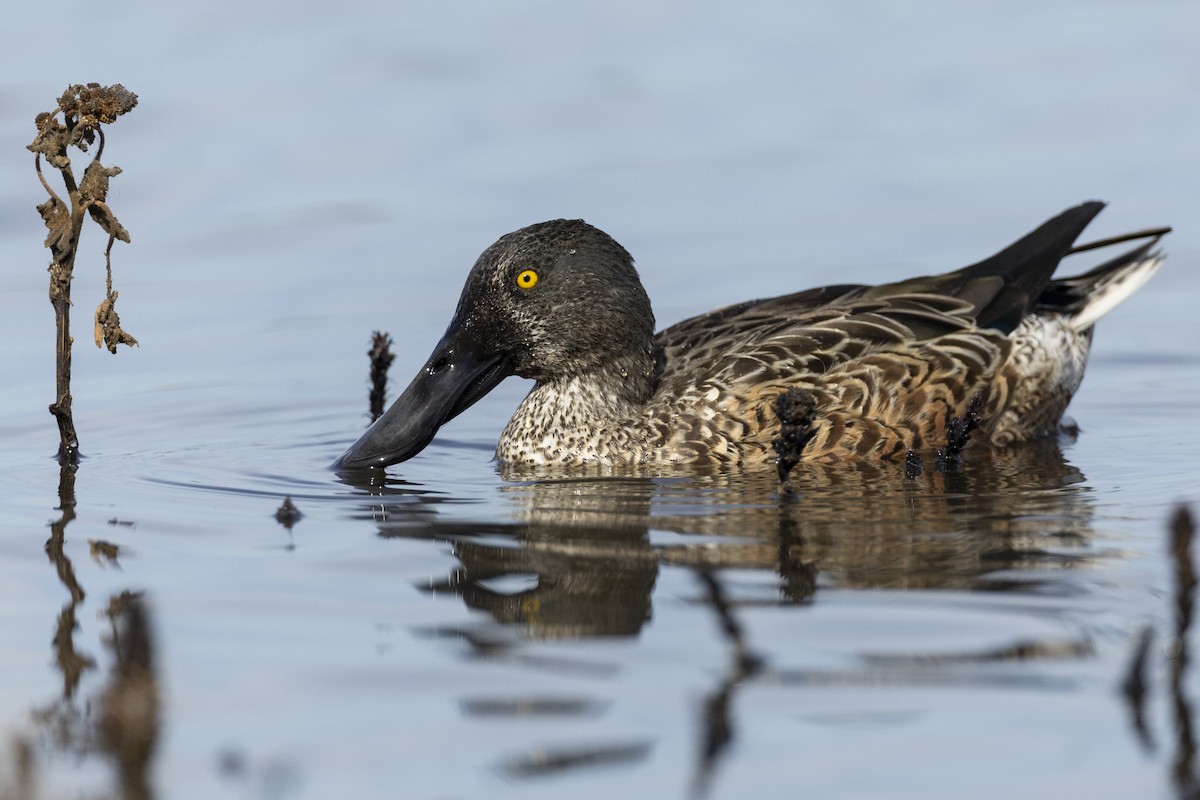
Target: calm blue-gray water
(298,175)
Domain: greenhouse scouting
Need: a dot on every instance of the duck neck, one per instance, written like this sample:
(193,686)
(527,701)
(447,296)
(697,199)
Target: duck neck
(622,385)
(587,416)
(615,390)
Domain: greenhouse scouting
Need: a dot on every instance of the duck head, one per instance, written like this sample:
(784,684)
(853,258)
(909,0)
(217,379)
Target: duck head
(549,302)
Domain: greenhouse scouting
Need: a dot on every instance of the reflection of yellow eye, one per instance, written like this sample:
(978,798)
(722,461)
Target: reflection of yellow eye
(527,279)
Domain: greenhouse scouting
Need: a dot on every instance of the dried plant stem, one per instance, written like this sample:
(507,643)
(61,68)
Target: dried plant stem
(83,108)
(61,271)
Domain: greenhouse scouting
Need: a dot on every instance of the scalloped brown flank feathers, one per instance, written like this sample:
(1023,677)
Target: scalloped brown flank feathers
(887,367)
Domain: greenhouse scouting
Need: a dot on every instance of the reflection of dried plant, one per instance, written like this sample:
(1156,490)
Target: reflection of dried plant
(128,723)
(84,109)
(718,732)
(1183,535)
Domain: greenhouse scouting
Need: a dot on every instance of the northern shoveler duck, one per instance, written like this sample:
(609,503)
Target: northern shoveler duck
(886,367)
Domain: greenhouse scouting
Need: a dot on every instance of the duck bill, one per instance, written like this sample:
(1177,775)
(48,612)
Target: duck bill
(458,373)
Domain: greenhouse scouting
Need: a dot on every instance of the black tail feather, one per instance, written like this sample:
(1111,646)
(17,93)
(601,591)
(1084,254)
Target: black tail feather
(1024,268)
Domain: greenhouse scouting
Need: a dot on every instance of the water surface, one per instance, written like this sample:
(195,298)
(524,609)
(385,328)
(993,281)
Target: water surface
(298,176)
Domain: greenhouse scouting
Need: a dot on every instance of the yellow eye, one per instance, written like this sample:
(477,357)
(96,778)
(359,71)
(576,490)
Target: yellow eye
(527,279)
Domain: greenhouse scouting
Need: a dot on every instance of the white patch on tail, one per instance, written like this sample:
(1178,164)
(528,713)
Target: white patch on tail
(1112,292)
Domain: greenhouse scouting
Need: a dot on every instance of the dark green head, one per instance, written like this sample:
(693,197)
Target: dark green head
(549,302)
(559,298)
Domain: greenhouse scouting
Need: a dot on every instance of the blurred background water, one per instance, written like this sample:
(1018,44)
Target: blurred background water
(296,175)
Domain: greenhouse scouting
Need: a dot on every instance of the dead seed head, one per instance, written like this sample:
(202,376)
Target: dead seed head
(84,108)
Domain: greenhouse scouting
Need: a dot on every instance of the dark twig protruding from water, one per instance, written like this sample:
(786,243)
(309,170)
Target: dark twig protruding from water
(958,434)
(84,109)
(381,359)
(795,409)
(287,514)
(1183,532)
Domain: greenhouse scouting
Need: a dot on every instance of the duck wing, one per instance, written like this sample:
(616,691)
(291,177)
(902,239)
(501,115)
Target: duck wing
(815,330)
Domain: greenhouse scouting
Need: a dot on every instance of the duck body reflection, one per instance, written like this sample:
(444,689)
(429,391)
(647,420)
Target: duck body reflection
(581,555)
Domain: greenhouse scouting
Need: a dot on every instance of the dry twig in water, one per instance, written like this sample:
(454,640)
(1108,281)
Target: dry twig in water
(83,110)
(381,358)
